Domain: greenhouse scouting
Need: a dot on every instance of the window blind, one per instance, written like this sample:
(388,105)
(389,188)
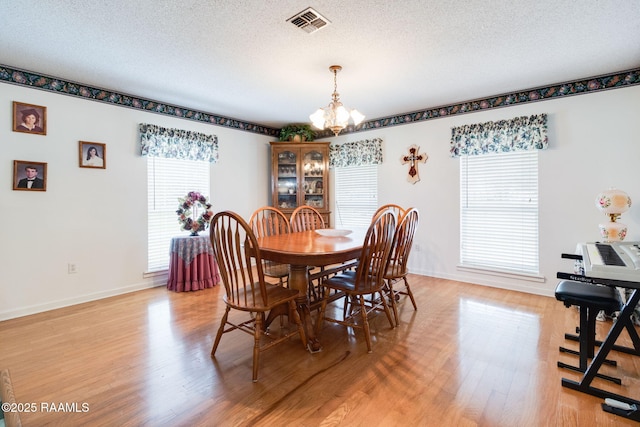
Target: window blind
(167,180)
(356,195)
(499,211)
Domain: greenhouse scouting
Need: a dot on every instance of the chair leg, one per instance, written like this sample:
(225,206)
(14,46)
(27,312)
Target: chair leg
(413,300)
(313,296)
(223,322)
(386,310)
(392,296)
(296,318)
(365,323)
(345,306)
(349,302)
(320,319)
(257,332)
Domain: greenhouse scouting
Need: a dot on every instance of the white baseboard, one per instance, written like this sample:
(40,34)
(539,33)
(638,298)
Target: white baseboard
(487,280)
(160,280)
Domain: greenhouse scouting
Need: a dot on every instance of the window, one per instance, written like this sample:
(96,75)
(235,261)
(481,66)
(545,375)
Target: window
(356,175)
(167,181)
(178,162)
(356,195)
(499,211)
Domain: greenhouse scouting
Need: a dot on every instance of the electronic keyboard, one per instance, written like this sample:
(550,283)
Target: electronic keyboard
(613,260)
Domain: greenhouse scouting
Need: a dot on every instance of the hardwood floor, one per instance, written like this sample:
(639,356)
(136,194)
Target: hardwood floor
(470,355)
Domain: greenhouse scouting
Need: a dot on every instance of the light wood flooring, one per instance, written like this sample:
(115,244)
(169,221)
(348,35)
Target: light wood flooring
(470,355)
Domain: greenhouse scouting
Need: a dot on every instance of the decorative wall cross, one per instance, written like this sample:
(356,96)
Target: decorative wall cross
(412,159)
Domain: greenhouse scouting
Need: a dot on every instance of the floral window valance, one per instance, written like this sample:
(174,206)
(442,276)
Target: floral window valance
(359,153)
(518,134)
(180,144)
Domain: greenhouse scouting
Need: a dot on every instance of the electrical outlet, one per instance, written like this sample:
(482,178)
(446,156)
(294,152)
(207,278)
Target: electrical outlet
(72,268)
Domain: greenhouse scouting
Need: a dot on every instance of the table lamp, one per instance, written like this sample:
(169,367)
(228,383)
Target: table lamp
(613,203)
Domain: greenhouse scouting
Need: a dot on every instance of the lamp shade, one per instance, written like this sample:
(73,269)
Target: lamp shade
(613,201)
(613,231)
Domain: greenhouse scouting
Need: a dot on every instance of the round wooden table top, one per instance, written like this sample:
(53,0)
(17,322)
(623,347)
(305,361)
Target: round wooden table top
(310,248)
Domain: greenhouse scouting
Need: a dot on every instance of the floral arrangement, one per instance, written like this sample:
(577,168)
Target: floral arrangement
(198,203)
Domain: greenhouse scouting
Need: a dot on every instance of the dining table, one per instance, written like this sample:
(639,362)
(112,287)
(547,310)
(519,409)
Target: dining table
(305,249)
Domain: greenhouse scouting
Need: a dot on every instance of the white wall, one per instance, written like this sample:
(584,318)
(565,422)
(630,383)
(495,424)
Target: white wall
(97,218)
(594,144)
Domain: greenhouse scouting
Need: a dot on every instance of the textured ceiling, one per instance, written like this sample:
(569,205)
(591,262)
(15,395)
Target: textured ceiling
(241,59)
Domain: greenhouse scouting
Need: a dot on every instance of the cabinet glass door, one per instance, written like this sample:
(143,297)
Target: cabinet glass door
(287,180)
(313,179)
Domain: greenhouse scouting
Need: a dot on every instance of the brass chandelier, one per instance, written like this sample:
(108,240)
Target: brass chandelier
(335,116)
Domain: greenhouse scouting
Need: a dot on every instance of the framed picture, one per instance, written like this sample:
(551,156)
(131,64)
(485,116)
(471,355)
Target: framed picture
(92,155)
(29,176)
(29,118)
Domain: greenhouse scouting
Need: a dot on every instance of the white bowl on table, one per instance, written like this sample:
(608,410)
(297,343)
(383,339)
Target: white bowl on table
(332,232)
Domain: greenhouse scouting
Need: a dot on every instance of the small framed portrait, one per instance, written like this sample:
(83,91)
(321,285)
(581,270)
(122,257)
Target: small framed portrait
(29,118)
(29,176)
(92,155)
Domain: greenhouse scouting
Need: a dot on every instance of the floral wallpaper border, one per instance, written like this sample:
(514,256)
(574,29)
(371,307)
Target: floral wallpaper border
(52,84)
(577,87)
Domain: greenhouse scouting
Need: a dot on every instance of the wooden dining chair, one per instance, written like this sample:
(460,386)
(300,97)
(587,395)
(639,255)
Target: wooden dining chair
(397,267)
(367,280)
(11,418)
(269,221)
(397,209)
(306,218)
(235,247)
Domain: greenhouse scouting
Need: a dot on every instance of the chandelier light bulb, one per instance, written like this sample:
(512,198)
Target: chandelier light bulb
(342,115)
(318,119)
(357,117)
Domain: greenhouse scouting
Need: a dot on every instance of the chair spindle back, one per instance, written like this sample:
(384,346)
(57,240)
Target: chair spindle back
(402,243)
(397,209)
(235,246)
(375,252)
(269,221)
(306,218)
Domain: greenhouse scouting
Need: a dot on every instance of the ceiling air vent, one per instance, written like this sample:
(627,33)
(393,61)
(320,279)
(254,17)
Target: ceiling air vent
(309,20)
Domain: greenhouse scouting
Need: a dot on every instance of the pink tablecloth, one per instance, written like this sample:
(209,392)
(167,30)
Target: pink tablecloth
(192,266)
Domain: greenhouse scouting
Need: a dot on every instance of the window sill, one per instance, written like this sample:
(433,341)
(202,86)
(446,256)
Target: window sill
(148,274)
(503,273)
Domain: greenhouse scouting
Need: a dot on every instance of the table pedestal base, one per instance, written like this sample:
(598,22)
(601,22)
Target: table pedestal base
(298,279)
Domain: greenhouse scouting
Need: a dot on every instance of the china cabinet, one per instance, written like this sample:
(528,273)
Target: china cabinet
(300,176)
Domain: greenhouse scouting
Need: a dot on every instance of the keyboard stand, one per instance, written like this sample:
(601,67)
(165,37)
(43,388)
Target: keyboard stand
(598,343)
(632,414)
(623,322)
